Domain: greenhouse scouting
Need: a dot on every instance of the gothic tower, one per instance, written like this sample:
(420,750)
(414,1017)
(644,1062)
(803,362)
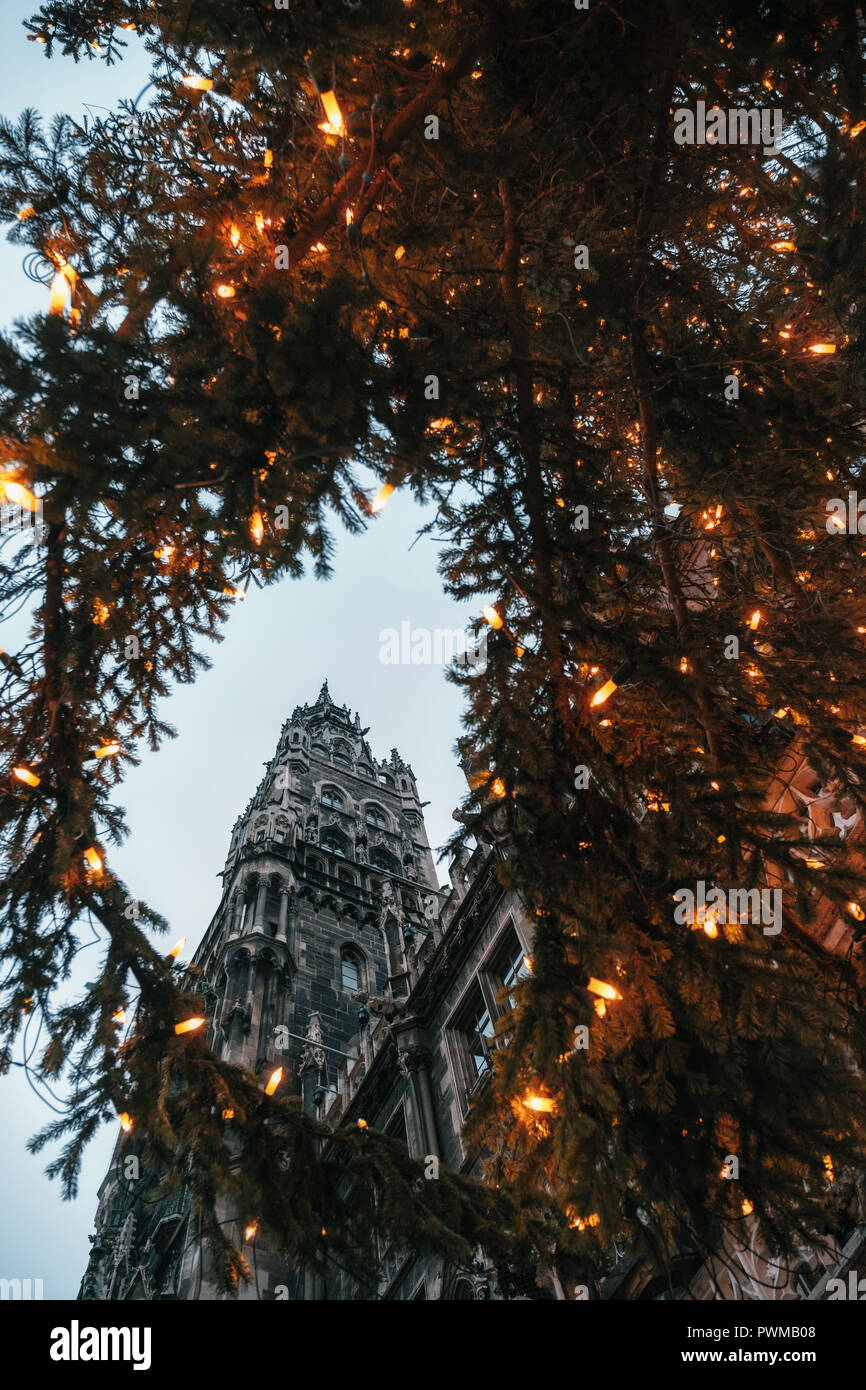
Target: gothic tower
(328,877)
(329,897)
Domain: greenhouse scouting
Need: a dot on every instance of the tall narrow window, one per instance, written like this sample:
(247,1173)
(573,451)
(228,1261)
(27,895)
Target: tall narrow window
(351,969)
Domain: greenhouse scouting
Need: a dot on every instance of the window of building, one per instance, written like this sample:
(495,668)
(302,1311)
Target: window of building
(351,969)
(508,964)
(380,859)
(472,1032)
(332,843)
(320,748)
(386,780)
(342,753)
(374,815)
(331,797)
(396,1127)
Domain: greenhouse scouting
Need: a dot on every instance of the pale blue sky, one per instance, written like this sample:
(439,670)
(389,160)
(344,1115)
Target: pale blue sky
(279,645)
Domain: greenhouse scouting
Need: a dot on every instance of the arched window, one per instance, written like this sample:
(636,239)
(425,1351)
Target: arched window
(386,780)
(331,842)
(342,753)
(374,815)
(331,797)
(351,969)
(380,859)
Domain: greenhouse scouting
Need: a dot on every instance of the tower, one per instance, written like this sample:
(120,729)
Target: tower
(328,878)
(329,903)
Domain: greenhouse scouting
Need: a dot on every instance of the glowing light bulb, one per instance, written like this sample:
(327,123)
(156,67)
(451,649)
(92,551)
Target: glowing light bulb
(380,501)
(604,693)
(125,1122)
(25,775)
(108,750)
(177,948)
(251,1230)
(94,859)
(189,1025)
(226,291)
(20,495)
(604,991)
(257,527)
(333,113)
(822,348)
(755,619)
(198,84)
(492,617)
(273,1081)
(542,1105)
(59,296)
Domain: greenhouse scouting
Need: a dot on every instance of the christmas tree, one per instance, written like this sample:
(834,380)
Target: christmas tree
(593,284)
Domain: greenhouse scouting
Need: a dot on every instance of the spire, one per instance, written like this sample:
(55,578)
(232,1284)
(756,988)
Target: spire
(324,694)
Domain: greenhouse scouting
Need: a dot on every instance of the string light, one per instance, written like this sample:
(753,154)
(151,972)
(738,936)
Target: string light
(125,1122)
(257,527)
(119,1016)
(492,617)
(108,750)
(616,680)
(822,348)
(273,1081)
(198,84)
(856,911)
(94,859)
(25,775)
(251,1230)
(334,125)
(20,495)
(747,1207)
(380,501)
(755,619)
(177,948)
(189,1025)
(228,1114)
(542,1105)
(604,991)
(226,291)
